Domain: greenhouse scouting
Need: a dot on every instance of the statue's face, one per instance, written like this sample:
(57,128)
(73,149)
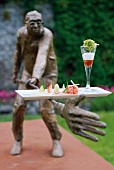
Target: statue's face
(34,25)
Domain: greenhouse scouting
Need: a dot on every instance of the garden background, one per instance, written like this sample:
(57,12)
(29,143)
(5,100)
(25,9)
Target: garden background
(74,22)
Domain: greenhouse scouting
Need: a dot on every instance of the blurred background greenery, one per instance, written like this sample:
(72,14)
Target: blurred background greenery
(75,21)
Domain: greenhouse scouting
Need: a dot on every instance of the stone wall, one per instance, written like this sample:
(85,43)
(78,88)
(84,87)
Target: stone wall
(11,19)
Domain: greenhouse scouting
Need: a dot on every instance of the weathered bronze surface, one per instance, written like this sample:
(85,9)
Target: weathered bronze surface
(34,48)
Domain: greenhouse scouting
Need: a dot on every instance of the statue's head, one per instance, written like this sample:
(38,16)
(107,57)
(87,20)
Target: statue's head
(33,22)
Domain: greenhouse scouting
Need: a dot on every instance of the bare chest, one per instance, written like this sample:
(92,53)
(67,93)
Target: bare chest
(31,46)
(30,50)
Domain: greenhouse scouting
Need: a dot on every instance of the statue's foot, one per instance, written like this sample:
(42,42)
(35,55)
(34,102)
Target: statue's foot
(57,150)
(17,147)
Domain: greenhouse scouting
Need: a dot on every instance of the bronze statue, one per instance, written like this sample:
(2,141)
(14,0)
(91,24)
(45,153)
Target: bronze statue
(34,47)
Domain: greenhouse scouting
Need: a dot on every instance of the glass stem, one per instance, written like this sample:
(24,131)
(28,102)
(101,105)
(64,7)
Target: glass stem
(88,72)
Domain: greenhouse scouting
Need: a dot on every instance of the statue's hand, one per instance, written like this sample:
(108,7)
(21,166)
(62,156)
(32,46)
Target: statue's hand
(31,83)
(79,120)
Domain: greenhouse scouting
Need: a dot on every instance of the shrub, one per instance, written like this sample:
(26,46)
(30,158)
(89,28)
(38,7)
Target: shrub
(76,21)
(103,103)
(7,96)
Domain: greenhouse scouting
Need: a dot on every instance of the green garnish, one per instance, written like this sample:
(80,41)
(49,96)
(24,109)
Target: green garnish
(43,84)
(89,45)
(66,87)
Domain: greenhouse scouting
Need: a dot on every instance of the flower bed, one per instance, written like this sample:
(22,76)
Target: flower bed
(7,96)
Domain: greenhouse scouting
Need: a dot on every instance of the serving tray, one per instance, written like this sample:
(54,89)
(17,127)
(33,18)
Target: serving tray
(36,95)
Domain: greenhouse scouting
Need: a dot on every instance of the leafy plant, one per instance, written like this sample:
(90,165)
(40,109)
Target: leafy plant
(73,25)
(103,103)
(6,96)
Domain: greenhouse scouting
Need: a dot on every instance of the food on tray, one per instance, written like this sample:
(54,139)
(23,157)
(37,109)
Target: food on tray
(63,87)
(72,89)
(49,88)
(56,88)
(41,89)
(89,45)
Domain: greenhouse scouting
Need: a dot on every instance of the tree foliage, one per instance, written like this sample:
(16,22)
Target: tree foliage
(76,21)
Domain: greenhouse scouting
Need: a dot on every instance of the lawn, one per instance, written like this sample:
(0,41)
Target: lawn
(103,147)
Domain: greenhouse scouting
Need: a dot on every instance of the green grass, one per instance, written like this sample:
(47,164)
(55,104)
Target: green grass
(105,145)
(8,117)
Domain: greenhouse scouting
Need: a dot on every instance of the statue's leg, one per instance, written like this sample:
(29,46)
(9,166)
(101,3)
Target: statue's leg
(49,117)
(17,125)
(18,118)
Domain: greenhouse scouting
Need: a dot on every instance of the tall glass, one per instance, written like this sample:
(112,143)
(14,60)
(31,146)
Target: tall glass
(88,58)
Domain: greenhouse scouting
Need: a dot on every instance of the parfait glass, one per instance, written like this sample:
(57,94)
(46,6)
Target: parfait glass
(88,58)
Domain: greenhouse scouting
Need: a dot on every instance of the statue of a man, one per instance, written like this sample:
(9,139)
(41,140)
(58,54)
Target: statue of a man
(34,47)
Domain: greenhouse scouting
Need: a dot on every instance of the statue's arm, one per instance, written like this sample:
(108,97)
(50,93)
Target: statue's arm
(43,50)
(17,57)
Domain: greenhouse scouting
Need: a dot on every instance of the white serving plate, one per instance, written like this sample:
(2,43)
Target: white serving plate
(36,95)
